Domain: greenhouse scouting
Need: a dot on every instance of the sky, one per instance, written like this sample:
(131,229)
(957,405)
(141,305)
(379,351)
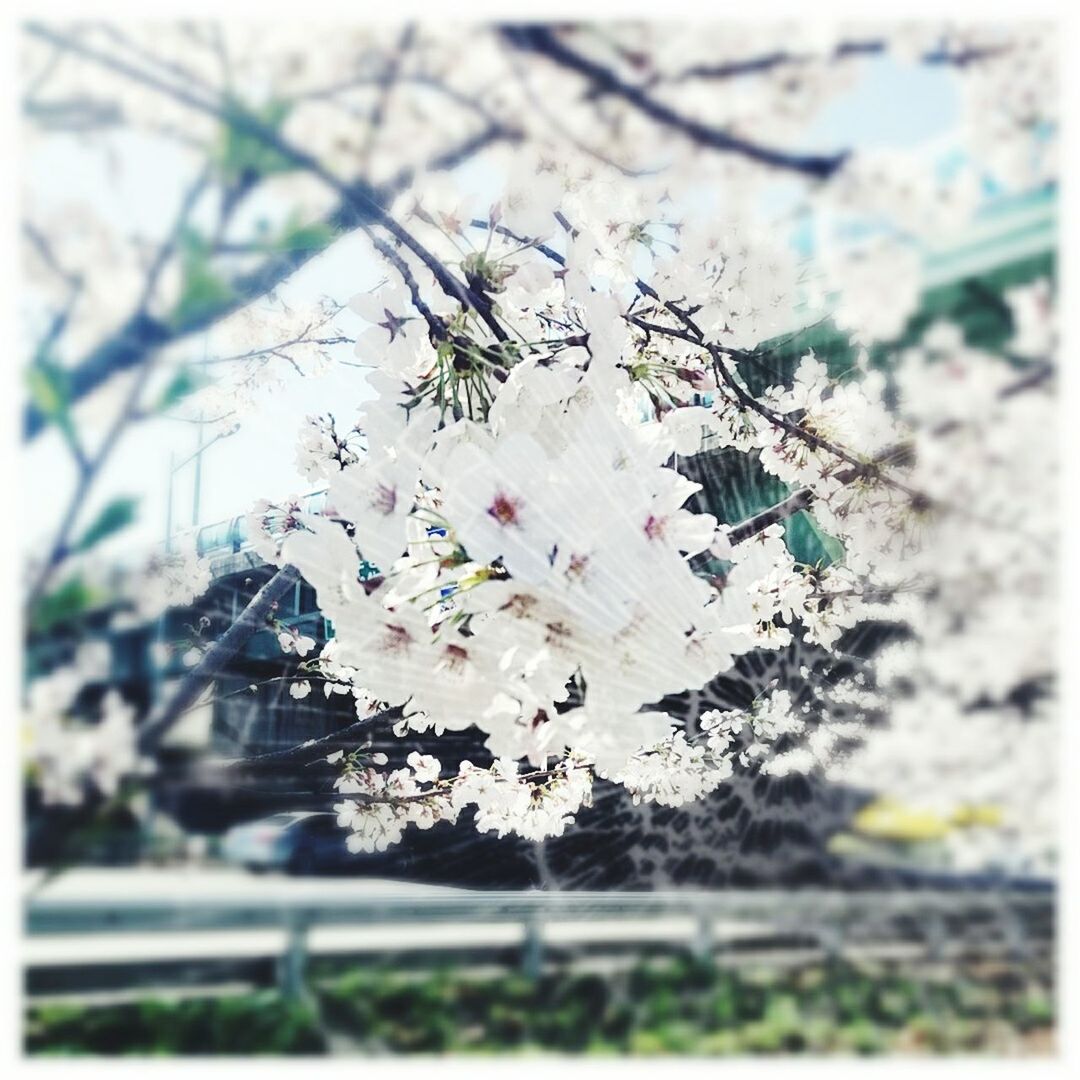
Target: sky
(892,105)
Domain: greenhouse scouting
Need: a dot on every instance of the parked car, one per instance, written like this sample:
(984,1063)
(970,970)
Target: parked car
(300,842)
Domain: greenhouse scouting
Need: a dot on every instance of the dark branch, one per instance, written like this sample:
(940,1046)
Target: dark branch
(361,205)
(769,61)
(803,499)
(543,41)
(253,618)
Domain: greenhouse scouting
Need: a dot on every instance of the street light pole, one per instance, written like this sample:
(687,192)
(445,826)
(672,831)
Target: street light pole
(198,474)
(174,468)
(168,508)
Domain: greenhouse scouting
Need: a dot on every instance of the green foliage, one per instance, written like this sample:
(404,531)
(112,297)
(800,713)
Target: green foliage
(675,1007)
(48,386)
(202,289)
(50,392)
(186,380)
(242,155)
(1034,1009)
(861,1037)
(69,600)
(300,236)
(249,1024)
(680,1006)
(114,516)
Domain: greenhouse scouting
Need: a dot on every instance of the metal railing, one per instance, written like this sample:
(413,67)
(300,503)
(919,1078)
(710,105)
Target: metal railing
(942,922)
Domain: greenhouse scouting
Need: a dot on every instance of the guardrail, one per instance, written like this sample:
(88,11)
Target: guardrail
(942,921)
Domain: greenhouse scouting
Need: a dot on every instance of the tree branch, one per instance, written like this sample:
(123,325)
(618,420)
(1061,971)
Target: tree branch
(360,205)
(543,41)
(214,660)
(804,498)
(875,47)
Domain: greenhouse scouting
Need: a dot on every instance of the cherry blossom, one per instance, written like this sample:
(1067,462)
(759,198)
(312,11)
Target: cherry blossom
(510,541)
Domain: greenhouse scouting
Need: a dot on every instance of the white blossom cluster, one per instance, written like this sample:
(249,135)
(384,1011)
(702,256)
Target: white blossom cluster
(984,612)
(65,754)
(170,579)
(535,547)
(535,805)
(541,360)
(322,88)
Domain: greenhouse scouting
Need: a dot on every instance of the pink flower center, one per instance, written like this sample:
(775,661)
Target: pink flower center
(385,499)
(654,527)
(577,565)
(504,509)
(455,657)
(397,639)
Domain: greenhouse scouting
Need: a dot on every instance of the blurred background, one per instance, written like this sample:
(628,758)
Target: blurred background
(183,310)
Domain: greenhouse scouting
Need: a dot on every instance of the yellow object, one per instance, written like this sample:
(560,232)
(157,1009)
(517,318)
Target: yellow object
(889,820)
(964,817)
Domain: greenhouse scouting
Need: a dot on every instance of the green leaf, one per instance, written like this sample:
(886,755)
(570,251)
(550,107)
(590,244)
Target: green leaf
(65,603)
(113,517)
(186,381)
(297,236)
(202,289)
(243,155)
(48,385)
(50,392)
